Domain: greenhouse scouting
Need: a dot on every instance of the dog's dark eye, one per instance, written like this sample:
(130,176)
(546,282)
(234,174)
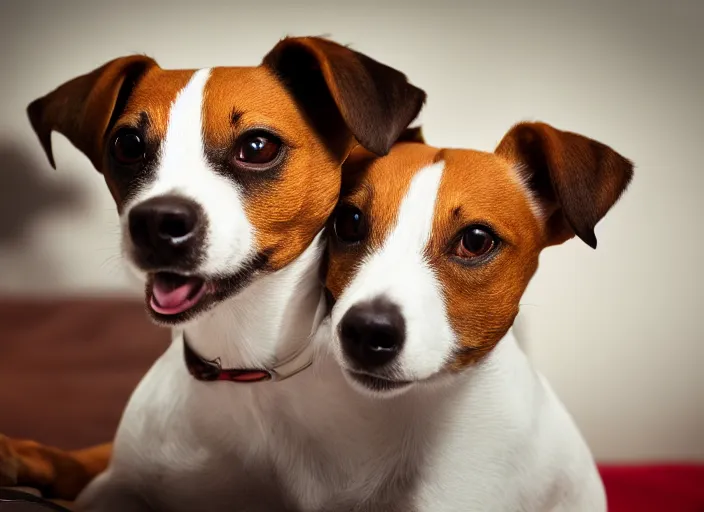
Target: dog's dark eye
(128,148)
(476,241)
(349,224)
(257,148)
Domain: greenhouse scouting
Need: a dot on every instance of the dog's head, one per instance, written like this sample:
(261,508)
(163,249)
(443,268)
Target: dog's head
(220,174)
(430,250)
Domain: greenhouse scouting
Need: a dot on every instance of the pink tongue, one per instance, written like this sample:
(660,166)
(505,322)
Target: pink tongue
(175,294)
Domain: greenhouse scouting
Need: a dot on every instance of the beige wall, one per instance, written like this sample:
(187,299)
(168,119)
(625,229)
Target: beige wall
(616,330)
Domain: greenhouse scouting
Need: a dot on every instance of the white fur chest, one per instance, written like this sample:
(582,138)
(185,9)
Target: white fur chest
(497,437)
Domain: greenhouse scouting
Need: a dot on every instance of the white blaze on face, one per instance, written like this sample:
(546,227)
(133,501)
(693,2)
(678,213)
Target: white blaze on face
(183,170)
(399,272)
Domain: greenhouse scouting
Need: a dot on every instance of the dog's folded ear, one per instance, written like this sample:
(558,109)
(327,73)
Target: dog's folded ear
(82,109)
(575,179)
(374,101)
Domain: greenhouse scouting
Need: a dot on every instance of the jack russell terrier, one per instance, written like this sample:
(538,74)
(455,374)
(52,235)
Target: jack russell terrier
(419,398)
(223,179)
(428,255)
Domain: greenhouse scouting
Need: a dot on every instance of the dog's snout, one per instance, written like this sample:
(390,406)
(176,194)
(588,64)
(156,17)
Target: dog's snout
(163,220)
(163,228)
(372,333)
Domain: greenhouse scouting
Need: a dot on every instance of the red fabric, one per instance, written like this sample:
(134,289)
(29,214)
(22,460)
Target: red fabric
(654,488)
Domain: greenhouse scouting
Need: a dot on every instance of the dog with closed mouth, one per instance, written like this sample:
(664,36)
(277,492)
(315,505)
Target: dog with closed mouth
(223,179)
(429,253)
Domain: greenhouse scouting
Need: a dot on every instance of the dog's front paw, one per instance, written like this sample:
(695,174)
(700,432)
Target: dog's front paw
(9,463)
(56,473)
(25,463)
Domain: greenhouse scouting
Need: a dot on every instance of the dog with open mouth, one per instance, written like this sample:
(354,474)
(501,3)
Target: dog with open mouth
(223,179)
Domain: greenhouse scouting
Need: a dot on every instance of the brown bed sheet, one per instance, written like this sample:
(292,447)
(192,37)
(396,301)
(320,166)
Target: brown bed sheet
(68,366)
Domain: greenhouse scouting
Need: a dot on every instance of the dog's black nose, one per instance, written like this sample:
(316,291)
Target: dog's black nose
(163,227)
(372,333)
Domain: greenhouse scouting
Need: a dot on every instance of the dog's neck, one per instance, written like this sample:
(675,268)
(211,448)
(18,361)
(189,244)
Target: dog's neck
(266,322)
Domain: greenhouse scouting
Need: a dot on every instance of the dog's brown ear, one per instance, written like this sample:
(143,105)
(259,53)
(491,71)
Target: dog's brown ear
(82,109)
(576,179)
(374,101)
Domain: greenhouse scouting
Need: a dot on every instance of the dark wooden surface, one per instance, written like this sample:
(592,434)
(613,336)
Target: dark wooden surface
(68,366)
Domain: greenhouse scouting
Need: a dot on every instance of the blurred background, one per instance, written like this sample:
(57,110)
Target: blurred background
(616,330)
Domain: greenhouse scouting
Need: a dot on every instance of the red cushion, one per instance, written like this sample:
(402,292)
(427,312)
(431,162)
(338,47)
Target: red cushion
(654,488)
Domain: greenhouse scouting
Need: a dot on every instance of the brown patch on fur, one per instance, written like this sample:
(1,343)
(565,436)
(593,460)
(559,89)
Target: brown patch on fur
(58,474)
(482,301)
(152,97)
(289,209)
(376,186)
(573,179)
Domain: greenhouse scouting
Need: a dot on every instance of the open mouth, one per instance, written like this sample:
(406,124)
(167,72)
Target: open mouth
(376,383)
(173,294)
(174,297)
